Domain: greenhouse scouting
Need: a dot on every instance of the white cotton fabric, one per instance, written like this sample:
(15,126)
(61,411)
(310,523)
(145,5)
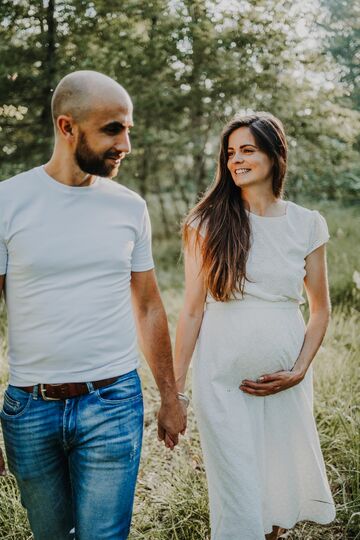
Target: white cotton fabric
(262,454)
(68,253)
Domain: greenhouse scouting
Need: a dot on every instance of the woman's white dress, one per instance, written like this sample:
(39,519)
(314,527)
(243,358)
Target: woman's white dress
(262,455)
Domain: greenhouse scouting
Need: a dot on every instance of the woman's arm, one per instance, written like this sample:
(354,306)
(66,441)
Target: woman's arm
(317,290)
(191,315)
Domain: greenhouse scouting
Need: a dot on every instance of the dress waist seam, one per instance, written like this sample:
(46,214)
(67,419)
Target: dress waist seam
(257,304)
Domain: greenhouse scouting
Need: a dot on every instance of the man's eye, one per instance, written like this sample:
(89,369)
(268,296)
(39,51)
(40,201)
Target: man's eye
(112,130)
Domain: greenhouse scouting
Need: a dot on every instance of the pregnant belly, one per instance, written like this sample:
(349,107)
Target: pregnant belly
(235,344)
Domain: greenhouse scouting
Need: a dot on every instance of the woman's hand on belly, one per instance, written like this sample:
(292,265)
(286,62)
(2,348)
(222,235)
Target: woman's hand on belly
(269,384)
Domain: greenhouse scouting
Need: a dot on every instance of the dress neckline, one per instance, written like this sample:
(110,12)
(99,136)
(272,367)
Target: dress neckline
(283,216)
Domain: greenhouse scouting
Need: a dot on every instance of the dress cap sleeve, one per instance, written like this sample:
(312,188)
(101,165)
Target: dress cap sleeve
(194,224)
(319,234)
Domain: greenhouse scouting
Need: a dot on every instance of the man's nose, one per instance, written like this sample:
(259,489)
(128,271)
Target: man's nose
(123,143)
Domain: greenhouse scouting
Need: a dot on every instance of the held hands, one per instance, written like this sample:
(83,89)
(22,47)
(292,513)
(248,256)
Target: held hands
(266,385)
(172,420)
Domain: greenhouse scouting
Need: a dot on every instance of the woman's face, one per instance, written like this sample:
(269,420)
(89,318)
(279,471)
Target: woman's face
(246,162)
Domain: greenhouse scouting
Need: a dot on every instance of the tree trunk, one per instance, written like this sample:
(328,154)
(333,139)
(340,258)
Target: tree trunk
(49,72)
(197,10)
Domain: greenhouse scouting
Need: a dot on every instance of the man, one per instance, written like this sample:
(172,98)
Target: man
(75,253)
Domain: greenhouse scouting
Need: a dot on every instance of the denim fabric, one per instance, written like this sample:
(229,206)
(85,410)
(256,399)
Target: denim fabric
(76,461)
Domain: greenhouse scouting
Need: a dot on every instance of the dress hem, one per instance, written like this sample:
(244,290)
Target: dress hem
(289,527)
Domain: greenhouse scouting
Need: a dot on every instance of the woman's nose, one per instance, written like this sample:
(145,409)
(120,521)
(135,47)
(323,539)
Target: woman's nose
(238,157)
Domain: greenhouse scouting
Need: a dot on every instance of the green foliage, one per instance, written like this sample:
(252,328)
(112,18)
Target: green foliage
(341,21)
(189,65)
(343,259)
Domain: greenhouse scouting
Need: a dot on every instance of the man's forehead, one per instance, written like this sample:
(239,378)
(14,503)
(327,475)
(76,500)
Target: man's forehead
(110,114)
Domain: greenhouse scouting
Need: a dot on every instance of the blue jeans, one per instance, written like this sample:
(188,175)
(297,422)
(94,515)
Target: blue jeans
(76,461)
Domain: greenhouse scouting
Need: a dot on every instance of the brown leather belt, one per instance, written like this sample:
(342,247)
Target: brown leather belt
(56,392)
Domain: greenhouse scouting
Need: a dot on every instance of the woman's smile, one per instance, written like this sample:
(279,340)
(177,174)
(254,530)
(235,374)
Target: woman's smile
(242,170)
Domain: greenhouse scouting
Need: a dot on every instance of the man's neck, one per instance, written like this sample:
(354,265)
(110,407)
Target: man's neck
(68,173)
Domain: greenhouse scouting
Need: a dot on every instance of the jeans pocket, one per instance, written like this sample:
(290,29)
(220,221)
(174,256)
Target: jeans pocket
(15,402)
(125,388)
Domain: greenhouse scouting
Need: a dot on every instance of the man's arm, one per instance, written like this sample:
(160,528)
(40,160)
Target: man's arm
(155,343)
(2,461)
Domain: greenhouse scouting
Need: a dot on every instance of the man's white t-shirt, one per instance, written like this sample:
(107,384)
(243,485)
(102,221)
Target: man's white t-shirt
(68,253)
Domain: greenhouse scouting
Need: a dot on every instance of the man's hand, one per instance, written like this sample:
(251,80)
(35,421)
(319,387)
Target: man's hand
(171,422)
(266,385)
(2,464)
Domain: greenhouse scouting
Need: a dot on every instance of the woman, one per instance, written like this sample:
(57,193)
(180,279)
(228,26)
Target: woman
(247,254)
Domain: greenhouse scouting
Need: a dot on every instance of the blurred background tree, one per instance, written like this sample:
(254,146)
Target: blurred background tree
(189,65)
(341,20)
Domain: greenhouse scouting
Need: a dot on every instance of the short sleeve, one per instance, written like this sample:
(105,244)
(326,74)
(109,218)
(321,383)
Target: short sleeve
(142,259)
(319,233)
(3,253)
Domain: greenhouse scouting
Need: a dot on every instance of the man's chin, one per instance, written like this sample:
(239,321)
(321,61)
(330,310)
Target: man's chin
(114,171)
(108,172)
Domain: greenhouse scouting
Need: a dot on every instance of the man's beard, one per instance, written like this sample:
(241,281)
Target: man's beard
(92,163)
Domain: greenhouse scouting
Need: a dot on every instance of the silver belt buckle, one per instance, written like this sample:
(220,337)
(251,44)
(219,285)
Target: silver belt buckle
(44,396)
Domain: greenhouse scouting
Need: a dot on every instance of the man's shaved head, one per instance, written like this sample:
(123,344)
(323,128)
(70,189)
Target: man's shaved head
(81,92)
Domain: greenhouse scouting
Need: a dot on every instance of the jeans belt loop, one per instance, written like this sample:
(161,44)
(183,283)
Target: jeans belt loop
(35,393)
(90,387)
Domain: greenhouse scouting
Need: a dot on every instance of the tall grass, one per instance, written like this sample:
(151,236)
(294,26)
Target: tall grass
(171,498)
(343,254)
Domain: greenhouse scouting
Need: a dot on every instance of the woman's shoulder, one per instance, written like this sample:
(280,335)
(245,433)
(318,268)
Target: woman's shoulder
(300,211)
(198,224)
(303,214)
(309,222)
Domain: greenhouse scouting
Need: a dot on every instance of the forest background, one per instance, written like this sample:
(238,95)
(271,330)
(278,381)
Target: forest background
(189,65)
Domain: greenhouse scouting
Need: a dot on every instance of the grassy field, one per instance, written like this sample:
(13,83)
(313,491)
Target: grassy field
(171,499)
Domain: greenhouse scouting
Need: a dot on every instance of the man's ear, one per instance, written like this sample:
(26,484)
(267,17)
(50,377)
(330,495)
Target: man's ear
(65,126)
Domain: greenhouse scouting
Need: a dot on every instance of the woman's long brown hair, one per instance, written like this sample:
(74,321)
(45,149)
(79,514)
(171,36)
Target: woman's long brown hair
(221,216)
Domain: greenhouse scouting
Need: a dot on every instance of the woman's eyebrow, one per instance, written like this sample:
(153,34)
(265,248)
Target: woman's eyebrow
(243,146)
